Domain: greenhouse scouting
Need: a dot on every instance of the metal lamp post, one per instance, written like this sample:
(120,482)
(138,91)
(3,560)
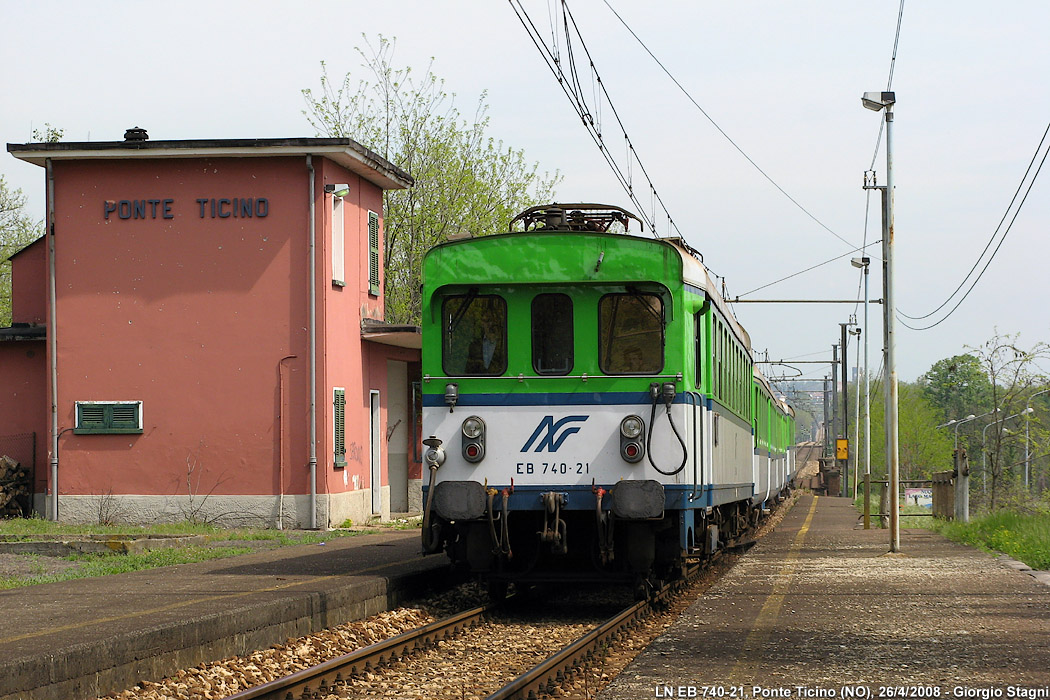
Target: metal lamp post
(883,102)
(984,449)
(864,263)
(1027,456)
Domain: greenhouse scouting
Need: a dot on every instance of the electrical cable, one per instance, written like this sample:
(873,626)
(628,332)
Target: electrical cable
(997,247)
(719,128)
(572,87)
(994,233)
(800,272)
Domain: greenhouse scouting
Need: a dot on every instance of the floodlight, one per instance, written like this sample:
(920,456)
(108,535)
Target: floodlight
(337,190)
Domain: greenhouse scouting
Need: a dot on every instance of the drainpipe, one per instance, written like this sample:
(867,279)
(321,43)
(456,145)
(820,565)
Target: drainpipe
(280,438)
(312,329)
(51,337)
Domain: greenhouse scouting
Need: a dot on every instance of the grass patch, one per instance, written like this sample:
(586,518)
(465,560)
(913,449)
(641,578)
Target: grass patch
(104,564)
(1025,537)
(222,542)
(28,528)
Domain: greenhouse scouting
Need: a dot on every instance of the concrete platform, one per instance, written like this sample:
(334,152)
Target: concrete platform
(90,637)
(819,606)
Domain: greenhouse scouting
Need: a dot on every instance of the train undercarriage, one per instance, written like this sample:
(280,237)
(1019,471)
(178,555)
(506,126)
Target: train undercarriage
(552,546)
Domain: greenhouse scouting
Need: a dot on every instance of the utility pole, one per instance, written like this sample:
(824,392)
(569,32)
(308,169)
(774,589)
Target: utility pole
(844,365)
(827,428)
(884,102)
(864,263)
(834,398)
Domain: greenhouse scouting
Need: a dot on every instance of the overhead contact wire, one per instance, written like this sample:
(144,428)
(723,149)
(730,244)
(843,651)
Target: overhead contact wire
(720,129)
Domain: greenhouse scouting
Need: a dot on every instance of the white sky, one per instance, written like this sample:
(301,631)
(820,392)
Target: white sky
(784,80)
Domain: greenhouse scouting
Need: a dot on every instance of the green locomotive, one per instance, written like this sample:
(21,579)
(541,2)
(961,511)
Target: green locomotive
(592,407)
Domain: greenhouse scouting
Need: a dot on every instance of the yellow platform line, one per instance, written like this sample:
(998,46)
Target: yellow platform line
(747,664)
(194,601)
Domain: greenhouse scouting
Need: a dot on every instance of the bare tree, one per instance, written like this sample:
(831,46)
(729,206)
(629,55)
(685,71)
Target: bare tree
(1012,372)
(466,182)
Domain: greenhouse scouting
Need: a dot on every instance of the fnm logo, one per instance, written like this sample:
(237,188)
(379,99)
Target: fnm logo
(551,441)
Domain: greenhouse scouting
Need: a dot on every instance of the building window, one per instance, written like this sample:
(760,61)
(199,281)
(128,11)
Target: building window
(552,337)
(374,260)
(339,426)
(108,417)
(338,256)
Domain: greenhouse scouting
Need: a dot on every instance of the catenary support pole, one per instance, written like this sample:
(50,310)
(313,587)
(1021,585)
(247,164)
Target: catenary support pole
(889,313)
(844,373)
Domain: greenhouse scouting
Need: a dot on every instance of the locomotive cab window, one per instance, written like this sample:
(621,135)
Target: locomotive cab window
(552,335)
(630,333)
(474,335)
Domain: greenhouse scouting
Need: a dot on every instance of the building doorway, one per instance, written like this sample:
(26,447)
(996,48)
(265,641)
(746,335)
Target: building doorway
(375,449)
(397,434)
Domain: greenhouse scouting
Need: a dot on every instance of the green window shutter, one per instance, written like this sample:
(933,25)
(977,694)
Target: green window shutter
(339,432)
(108,417)
(124,416)
(92,416)
(373,253)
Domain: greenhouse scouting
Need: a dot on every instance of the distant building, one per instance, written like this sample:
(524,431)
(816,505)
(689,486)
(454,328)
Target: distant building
(188,322)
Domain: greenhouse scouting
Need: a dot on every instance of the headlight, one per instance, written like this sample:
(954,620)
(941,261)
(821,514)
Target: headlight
(473,427)
(631,427)
(473,440)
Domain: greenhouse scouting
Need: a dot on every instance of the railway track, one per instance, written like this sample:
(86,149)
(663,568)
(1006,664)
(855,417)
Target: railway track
(366,666)
(559,640)
(319,678)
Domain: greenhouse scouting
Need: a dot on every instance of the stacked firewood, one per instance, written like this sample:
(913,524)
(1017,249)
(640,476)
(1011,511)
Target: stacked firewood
(15,495)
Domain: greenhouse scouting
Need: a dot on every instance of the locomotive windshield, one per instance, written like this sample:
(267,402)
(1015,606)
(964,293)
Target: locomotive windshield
(474,334)
(552,334)
(630,334)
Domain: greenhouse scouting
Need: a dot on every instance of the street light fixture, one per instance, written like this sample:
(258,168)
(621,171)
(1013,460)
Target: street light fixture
(878,101)
(884,101)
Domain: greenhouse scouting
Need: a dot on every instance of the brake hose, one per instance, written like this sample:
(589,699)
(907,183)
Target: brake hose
(668,399)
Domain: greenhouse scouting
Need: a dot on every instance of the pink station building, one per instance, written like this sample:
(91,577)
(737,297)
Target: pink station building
(199,335)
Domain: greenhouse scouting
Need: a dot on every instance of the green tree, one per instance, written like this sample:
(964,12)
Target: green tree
(958,386)
(466,183)
(923,448)
(17,230)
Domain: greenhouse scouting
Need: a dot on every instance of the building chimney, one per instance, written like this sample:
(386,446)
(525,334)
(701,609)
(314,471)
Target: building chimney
(136,134)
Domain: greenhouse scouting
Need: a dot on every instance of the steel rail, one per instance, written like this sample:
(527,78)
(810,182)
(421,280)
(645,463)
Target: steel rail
(542,678)
(322,676)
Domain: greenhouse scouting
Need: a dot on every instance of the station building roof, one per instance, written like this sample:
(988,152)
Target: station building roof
(344,151)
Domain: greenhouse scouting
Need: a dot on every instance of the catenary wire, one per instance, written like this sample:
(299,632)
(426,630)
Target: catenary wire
(571,86)
(800,272)
(720,129)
